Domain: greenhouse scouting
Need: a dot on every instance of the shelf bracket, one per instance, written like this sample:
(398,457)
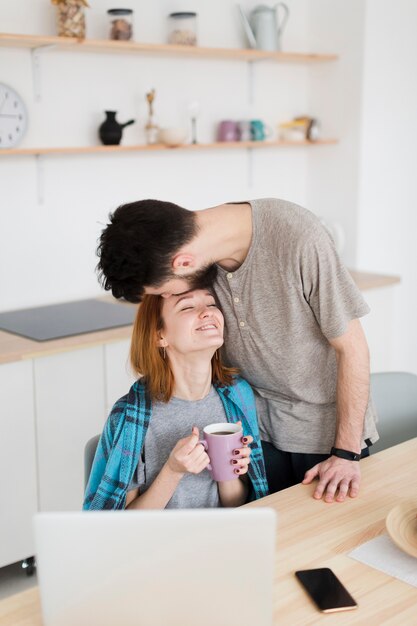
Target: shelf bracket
(36,70)
(250,167)
(40,179)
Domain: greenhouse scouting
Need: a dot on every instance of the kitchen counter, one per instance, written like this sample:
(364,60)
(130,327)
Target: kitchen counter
(367,280)
(16,348)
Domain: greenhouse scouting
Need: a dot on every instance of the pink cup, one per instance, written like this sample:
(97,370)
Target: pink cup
(228,131)
(220,447)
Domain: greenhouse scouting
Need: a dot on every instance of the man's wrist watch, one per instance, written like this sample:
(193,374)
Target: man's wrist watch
(345,454)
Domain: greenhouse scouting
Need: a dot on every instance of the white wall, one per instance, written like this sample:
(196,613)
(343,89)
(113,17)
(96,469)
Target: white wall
(47,251)
(335,93)
(367,99)
(387,228)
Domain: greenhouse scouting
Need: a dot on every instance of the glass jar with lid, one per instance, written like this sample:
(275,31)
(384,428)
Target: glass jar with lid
(121,24)
(182,28)
(71,18)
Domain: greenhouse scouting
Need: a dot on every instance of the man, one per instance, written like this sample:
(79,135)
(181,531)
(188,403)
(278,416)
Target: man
(292,322)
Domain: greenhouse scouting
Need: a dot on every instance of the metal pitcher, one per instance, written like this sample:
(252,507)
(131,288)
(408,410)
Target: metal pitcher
(264,27)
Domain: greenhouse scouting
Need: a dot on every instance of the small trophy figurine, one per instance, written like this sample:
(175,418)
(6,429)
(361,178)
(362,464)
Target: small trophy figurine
(151,127)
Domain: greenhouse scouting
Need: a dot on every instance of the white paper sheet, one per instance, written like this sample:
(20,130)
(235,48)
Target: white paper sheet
(381,553)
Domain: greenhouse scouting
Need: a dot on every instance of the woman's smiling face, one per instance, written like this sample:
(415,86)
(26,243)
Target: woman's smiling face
(192,322)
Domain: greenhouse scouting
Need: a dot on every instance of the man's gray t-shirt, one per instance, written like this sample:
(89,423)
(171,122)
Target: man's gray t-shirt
(288,298)
(170,422)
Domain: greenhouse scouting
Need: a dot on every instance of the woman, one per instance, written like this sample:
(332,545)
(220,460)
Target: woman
(148,455)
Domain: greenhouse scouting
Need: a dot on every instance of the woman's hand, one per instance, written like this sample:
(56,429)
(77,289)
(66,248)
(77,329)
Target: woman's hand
(241,464)
(188,456)
(235,492)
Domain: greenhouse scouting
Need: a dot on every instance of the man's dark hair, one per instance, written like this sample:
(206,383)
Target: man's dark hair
(137,247)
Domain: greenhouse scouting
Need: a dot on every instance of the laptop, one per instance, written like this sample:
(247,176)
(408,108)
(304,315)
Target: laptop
(200,567)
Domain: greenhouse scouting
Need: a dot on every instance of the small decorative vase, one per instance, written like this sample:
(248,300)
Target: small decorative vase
(71,18)
(151,128)
(151,131)
(110,131)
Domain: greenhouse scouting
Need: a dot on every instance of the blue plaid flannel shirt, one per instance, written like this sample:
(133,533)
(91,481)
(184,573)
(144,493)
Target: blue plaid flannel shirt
(124,433)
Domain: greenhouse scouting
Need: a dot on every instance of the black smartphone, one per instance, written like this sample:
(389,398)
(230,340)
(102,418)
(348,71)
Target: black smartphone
(326,590)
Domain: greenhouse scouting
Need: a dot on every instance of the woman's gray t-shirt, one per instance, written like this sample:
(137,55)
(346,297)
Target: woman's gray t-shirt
(170,422)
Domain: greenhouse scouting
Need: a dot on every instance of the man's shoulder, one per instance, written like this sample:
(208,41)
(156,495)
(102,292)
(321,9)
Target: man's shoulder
(282,211)
(283,223)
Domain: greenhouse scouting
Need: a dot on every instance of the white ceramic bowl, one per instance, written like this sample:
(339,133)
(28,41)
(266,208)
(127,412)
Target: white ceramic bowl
(174,136)
(292,134)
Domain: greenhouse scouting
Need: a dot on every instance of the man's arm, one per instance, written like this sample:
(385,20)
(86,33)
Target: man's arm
(352,397)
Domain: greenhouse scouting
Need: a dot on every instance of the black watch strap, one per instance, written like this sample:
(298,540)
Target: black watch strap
(345,454)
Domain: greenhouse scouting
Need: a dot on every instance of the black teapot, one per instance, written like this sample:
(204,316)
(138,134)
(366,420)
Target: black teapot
(110,131)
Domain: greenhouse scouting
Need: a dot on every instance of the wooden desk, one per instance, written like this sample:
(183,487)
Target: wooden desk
(311,533)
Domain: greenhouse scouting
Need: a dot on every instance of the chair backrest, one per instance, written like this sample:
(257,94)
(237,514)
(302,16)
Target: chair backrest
(395,398)
(89,452)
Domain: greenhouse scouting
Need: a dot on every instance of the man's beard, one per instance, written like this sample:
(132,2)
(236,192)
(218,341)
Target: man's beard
(202,278)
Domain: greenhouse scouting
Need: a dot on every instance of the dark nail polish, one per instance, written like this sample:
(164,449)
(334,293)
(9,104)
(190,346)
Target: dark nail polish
(234,462)
(236,452)
(245,439)
(237,471)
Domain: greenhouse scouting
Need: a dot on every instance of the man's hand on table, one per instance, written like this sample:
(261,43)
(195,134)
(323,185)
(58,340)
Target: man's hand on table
(336,476)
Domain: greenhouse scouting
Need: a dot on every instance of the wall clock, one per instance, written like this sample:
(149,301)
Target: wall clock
(13,117)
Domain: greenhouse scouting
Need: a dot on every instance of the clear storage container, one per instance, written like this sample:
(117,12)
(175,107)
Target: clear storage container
(71,18)
(182,28)
(121,24)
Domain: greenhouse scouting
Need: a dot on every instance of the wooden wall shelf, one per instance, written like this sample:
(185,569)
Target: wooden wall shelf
(37,42)
(160,147)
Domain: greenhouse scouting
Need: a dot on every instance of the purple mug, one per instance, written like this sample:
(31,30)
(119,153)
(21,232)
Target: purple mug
(228,130)
(220,440)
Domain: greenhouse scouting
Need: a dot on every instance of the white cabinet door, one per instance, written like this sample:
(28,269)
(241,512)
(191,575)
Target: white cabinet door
(70,408)
(119,377)
(18,492)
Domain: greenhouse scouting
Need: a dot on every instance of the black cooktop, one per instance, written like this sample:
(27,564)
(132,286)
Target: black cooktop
(66,319)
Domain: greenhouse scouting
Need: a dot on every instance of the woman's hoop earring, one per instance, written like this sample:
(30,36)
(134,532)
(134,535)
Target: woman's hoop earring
(164,353)
(216,355)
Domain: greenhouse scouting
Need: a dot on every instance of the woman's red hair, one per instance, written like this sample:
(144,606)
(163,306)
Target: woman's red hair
(147,358)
